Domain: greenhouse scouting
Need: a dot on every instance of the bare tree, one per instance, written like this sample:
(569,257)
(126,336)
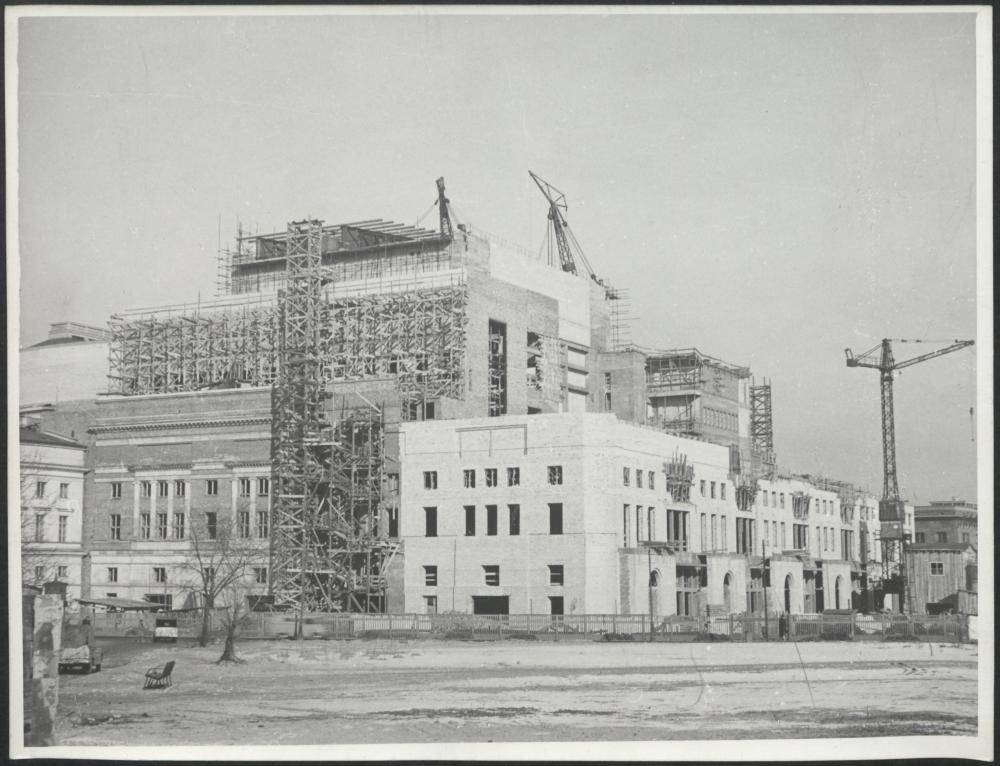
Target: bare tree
(219,563)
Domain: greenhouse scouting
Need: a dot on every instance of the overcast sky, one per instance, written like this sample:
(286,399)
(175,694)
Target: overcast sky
(771,188)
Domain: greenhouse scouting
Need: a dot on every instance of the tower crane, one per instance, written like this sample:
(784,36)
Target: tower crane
(890,507)
(560,228)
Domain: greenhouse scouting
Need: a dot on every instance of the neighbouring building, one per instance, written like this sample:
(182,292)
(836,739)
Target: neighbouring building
(52,503)
(946,521)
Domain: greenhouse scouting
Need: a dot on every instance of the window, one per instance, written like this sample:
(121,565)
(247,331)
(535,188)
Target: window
(430,479)
(555,519)
(942,537)
(556,606)
(513,477)
(825,541)
(937,567)
(116,526)
(701,487)
(39,489)
(555,474)
(781,498)
(263,524)
(711,488)
(725,542)
(469,478)
(260,575)
(555,574)
(180,488)
(800,536)
(212,487)
(638,478)
(764,496)
(744,536)
(244,487)
(651,483)
(704,531)
(208,575)
(62,571)
(625,477)
(263,486)
(625,522)
(243,523)
(491,477)
(650,523)
(146,488)
(64,491)
(514,512)
(715,530)
(179,523)
(112,574)
(491,520)
(430,576)
(111,595)
(116,490)
(430,604)
(784,538)
(159,574)
(491,574)
(39,527)
(161,525)
(144,526)
(39,572)
(212,524)
(722,490)
(677,528)
(162,488)
(470,520)
(430,522)
(63,524)
(965,537)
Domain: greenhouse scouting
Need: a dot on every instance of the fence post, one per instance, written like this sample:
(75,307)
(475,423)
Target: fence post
(732,627)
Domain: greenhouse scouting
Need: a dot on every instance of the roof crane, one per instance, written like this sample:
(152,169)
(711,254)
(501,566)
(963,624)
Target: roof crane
(891,507)
(444,211)
(557,203)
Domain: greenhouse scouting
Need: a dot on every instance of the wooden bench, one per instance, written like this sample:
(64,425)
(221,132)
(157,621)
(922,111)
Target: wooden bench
(159,677)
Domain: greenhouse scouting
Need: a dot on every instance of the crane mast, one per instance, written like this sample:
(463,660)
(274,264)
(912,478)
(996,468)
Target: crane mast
(890,507)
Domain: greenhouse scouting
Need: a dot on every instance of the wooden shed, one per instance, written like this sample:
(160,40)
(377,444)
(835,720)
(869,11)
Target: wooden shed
(943,578)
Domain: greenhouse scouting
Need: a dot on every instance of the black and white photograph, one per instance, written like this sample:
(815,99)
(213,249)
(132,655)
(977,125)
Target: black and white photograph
(500,382)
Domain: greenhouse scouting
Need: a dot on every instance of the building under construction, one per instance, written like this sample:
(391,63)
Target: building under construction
(295,407)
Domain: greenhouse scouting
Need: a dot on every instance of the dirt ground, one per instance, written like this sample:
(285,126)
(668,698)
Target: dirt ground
(369,692)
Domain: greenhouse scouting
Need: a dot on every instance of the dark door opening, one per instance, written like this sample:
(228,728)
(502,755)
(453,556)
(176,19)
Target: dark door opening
(555,605)
(491,604)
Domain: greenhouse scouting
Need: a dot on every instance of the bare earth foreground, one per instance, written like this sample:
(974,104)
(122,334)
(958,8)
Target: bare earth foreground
(368,692)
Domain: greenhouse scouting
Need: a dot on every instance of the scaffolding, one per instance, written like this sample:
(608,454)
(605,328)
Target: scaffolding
(762,429)
(497,370)
(619,314)
(679,475)
(416,337)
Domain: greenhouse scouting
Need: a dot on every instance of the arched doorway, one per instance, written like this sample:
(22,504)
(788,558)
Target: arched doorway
(727,592)
(837,584)
(788,593)
(654,592)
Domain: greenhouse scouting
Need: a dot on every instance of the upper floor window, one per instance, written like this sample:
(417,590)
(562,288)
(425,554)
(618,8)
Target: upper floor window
(159,574)
(112,574)
(116,490)
(652,479)
(162,488)
(470,520)
(245,487)
(63,526)
(180,488)
(937,567)
(491,477)
(430,522)
(711,489)
(555,518)
(626,474)
(701,487)
(39,528)
(513,477)
(555,574)
(263,486)
(430,576)
(491,574)
(781,498)
(469,478)
(638,478)
(920,537)
(146,488)
(212,487)
(555,474)
(942,537)
(260,575)
(39,489)
(722,490)
(430,479)
(63,491)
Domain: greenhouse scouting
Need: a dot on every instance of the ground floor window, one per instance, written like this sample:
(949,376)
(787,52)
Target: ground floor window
(556,605)
(688,587)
